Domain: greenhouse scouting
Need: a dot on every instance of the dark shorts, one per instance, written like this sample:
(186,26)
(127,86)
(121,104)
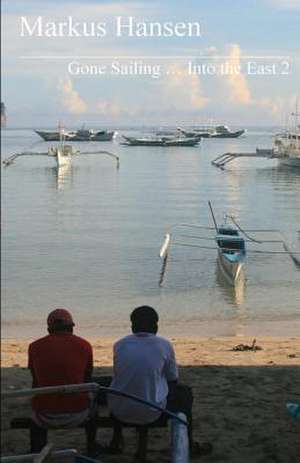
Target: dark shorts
(180,397)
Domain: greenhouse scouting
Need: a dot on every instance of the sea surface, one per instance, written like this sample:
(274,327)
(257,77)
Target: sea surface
(88,237)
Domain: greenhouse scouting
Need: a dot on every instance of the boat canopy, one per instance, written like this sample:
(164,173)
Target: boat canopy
(233,243)
(228,231)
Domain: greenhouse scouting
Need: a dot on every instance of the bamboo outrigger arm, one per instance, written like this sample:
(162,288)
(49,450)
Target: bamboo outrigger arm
(7,162)
(108,153)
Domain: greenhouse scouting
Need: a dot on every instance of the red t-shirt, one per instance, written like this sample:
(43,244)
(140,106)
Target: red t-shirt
(60,359)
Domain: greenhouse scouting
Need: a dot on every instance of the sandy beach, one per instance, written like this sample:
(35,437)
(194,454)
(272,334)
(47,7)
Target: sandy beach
(239,399)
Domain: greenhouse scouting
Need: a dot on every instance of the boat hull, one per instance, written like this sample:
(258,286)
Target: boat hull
(290,162)
(48,136)
(232,269)
(71,136)
(61,159)
(130,141)
(236,134)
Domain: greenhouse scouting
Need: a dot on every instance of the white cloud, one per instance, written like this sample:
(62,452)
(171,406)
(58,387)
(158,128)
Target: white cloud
(239,89)
(71,99)
(285,4)
(109,109)
(183,90)
(238,85)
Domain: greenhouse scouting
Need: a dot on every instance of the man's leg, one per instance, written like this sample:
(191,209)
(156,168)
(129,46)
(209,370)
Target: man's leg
(117,442)
(38,437)
(90,432)
(180,399)
(104,381)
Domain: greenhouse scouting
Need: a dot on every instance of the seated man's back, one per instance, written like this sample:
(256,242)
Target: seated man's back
(58,359)
(143,365)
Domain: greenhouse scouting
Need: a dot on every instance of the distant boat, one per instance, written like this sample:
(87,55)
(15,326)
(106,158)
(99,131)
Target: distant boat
(62,152)
(78,135)
(3,115)
(196,133)
(287,147)
(90,135)
(288,151)
(48,136)
(160,141)
(220,131)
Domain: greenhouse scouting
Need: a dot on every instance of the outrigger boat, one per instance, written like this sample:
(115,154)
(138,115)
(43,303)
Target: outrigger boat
(220,131)
(78,135)
(286,149)
(230,239)
(161,141)
(62,153)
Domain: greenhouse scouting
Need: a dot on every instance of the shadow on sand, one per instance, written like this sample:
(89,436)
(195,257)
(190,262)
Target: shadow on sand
(239,409)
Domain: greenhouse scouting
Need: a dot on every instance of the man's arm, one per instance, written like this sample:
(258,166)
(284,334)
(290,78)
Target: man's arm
(89,367)
(171,370)
(30,367)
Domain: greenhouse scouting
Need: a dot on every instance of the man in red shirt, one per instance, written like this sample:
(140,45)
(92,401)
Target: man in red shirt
(58,359)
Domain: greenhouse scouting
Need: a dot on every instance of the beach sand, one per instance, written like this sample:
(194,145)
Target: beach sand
(239,399)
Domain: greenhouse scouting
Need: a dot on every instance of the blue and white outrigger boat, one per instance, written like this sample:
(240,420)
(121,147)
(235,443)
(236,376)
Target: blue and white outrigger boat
(231,243)
(231,253)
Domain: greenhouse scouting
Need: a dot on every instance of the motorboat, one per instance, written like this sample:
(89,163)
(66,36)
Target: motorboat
(220,131)
(78,135)
(160,141)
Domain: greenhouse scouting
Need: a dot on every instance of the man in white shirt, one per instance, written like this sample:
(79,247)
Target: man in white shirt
(145,366)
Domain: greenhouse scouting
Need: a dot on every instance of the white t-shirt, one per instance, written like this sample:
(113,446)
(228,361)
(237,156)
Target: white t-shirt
(143,365)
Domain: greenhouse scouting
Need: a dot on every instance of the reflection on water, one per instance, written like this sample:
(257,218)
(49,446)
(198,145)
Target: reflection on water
(281,176)
(64,175)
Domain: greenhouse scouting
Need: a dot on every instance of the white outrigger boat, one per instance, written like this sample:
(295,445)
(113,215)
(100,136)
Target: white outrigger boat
(286,148)
(230,242)
(62,153)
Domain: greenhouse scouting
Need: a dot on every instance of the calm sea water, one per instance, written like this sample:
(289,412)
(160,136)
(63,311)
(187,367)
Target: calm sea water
(87,238)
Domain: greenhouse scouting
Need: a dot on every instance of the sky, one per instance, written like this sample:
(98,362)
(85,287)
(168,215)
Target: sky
(256,41)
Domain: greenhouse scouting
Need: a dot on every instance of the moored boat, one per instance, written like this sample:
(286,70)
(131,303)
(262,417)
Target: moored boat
(160,141)
(220,131)
(78,135)
(231,253)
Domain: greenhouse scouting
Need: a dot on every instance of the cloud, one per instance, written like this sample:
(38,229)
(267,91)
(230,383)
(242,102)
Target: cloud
(183,90)
(71,99)
(285,4)
(107,108)
(238,85)
(239,90)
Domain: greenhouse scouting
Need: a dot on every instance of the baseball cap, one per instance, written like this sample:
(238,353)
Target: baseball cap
(60,317)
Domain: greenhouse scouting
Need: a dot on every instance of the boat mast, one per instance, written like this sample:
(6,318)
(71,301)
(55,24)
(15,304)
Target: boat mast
(296,114)
(213,216)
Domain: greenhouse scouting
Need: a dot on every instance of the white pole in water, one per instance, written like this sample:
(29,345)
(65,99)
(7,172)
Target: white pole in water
(165,245)
(179,441)
(59,455)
